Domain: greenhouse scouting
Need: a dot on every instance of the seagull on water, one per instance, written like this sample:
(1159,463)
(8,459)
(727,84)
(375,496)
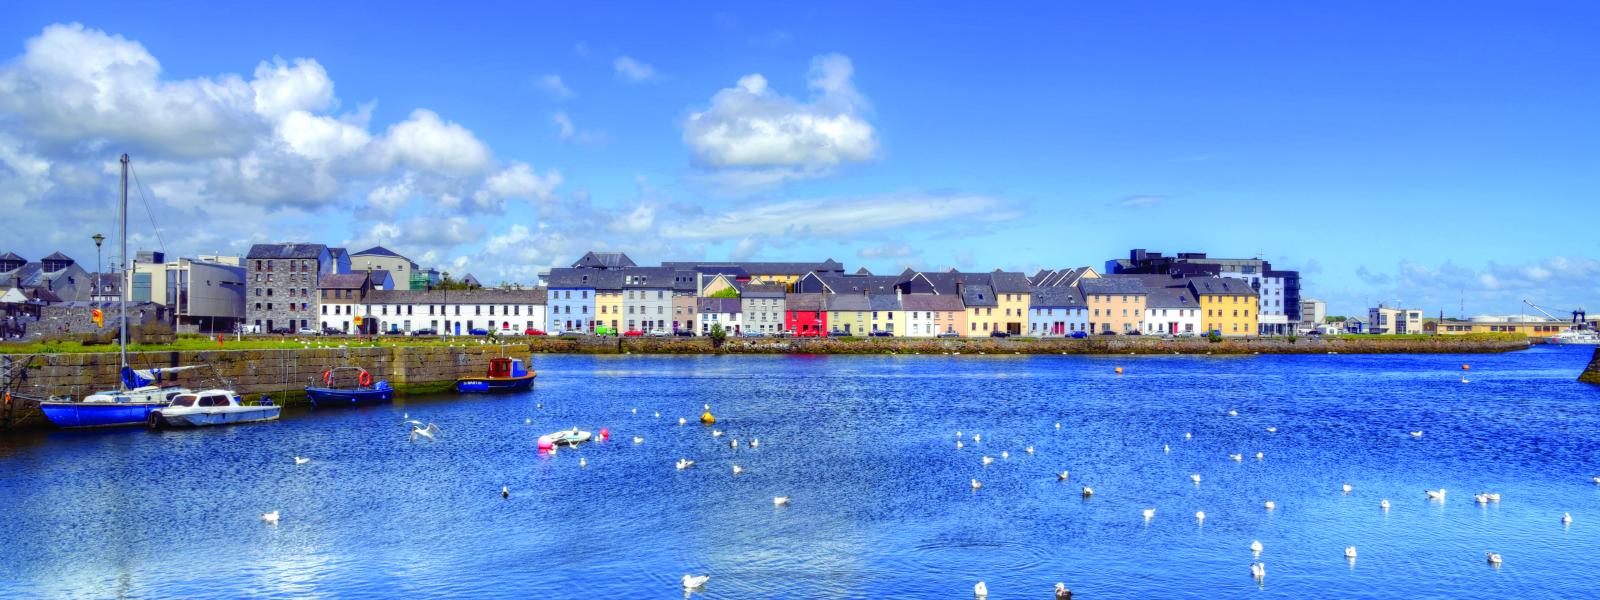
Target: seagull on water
(981,590)
(737,469)
(300,460)
(780,501)
(638,440)
(683,421)
(1384,504)
(1435,495)
(1195,478)
(1494,559)
(987,460)
(1416,435)
(716,433)
(1200,516)
(1167,448)
(1260,456)
(1597,479)
(271,517)
(1149,513)
(1029,449)
(733,443)
(1348,488)
(977,437)
(958,434)
(1058,426)
(684,463)
(694,582)
(1270,505)
(1566,518)
(1272,430)
(1350,552)
(1233,413)
(1062,476)
(1236,457)
(658,414)
(505,491)
(976,484)
(754,442)
(1255,546)
(1004,454)
(1088,491)
(1188,436)
(958,444)
(583,462)
(636,410)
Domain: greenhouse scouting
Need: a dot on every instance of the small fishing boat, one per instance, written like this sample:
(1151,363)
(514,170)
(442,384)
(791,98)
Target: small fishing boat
(211,407)
(565,437)
(505,375)
(126,408)
(348,386)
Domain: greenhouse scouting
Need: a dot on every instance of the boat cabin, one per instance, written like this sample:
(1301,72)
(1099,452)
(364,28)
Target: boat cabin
(506,368)
(204,400)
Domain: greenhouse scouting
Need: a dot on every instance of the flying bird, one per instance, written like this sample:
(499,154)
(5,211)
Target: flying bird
(426,432)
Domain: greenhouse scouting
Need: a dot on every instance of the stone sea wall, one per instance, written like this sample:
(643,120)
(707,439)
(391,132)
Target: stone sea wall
(1592,374)
(282,373)
(1107,345)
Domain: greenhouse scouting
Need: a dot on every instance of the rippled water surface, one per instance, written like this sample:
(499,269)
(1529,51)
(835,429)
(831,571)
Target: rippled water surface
(881,501)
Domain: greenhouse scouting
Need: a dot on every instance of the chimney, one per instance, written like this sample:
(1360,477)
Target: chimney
(898,296)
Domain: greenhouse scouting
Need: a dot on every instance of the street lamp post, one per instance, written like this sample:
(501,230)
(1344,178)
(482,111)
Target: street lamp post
(98,239)
(445,285)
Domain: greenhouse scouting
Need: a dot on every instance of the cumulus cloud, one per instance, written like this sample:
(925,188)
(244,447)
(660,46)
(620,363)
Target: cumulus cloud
(429,143)
(633,71)
(521,182)
(281,89)
(886,251)
(1559,283)
(752,129)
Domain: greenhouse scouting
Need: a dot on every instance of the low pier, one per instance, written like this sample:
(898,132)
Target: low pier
(282,373)
(1592,373)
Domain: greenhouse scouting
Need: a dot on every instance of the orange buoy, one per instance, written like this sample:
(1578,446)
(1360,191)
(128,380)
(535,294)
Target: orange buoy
(1119,370)
(1466,367)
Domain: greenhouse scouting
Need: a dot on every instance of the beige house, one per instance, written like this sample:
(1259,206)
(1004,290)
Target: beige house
(379,258)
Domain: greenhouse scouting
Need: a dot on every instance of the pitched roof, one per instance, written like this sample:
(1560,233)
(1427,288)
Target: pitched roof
(884,302)
(944,302)
(1057,297)
(56,256)
(381,275)
(377,251)
(470,280)
(269,251)
(604,260)
(839,283)
(9,256)
(342,281)
(1112,284)
(1061,277)
(758,290)
(978,295)
(717,305)
(1221,286)
(849,302)
(803,302)
(1006,282)
(1167,292)
(656,278)
(585,278)
(480,296)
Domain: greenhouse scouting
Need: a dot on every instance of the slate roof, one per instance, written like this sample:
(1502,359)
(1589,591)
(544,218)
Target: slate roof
(1221,286)
(472,281)
(56,256)
(604,260)
(655,277)
(1006,282)
(583,278)
(379,276)
(1057,297)
(855,284)
(10,256)
(849,302)
(533,296)
(270,251)
(944,302)
(804,302)
(717,305)
(377,251)
(1112,285)
(883,302)
(757,290)
(1167,292)
(978,295)
(342,281)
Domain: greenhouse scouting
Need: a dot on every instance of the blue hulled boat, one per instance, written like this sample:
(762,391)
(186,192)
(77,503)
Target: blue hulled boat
(360,389)
(505,375)
(128,407)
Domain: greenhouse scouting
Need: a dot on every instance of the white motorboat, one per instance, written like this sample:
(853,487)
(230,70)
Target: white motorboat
(212,407)
(1577,337)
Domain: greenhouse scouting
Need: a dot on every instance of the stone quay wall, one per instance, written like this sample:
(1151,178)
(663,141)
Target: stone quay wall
(1592,373)
(282,373)
(1116,345)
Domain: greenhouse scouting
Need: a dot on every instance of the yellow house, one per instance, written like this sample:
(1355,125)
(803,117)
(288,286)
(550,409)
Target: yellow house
(981,305)
(849,314)
(889,315)
(1013,297)
(608,308)
(1116,304)
(1227,306)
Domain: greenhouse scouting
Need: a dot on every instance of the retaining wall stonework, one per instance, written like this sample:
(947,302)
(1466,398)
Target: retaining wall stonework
(1592,374)
(1117,345)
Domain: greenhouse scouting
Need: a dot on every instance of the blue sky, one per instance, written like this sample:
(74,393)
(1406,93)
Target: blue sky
(1434,154)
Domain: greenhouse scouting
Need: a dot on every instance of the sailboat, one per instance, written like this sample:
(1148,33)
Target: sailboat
(137,392)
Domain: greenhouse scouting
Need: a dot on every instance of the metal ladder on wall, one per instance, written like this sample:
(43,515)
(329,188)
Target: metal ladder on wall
(13,373)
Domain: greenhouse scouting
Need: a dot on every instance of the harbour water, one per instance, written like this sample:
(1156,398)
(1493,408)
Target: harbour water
(882,507)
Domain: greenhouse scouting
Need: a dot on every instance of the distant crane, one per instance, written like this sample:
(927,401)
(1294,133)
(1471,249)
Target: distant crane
(1580,320)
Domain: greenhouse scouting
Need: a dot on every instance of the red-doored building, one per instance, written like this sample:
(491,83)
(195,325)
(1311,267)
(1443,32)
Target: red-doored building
(806,315)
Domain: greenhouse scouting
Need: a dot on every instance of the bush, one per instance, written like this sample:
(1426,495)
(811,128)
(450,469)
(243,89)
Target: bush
(1293,338)
(718,335)
(1214,337)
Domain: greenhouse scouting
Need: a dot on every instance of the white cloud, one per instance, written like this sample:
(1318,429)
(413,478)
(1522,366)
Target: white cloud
(749,127)
(838,217)
(638,220)
(568,132)
(389,199)
(746,249)
(321,137)
(426,142)
(553,85)
(633,70)
(886,251)
(565,124)
(1142,201)
(281,89)
(520,181)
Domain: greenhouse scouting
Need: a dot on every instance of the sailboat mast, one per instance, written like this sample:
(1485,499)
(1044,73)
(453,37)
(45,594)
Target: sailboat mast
(122,220)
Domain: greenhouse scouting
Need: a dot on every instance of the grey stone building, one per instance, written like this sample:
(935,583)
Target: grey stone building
(281,285)
(762,306)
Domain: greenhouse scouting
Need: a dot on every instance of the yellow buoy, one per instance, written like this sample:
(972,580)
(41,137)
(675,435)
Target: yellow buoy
(1119,370)
(1466,367)
(706,418)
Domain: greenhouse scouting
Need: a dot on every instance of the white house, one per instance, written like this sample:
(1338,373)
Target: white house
(1057,312)
(928,315)
(455,312)
(724,311)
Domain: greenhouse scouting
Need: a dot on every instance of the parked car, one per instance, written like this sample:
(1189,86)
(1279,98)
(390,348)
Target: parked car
(331,331)
(425,331)
(1108,332)
(533,332)
(632,333)
(477,331)
(659,332)
(880,334)
(949,334)
(1078,335)
(683,332)
(1134,332)
(999,334)
(282,331)
(1184,334)
(394,332)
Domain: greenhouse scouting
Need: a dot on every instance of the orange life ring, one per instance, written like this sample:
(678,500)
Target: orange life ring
(327,378)
(366,378)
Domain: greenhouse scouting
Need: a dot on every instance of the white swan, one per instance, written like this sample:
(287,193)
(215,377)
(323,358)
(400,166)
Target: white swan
(1255,546)
(1566,518)
(780,501)
(638,440)
(1384,504)
(300,460)
(1270,505)
(1350,552)
(271,517)
(981,590)
(1200,516)
(684,463)
(1149,513)
(1494,559)
(1062,476)
(1258,570)
(1435,495)
(976,485)
(737,469)
(694,581)
(1195,478)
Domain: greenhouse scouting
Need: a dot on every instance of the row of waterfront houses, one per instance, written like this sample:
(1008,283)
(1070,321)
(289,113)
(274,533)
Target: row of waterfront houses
(305,286)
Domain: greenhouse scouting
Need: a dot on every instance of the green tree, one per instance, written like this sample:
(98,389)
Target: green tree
(727,292)
(718,335)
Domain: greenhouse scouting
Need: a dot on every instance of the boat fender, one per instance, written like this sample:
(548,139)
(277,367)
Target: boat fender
(366,378)
(605,434)
(707,418)
(327,378)
(545,443)
(154,420)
